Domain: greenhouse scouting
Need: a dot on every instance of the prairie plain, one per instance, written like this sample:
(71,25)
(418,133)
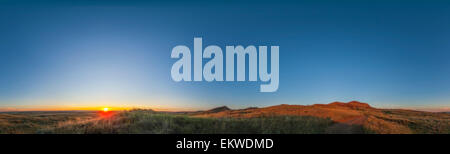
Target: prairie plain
(334,118)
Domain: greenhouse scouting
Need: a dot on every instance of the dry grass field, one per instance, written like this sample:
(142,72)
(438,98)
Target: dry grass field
(333,118)
(354,117)
(31,122)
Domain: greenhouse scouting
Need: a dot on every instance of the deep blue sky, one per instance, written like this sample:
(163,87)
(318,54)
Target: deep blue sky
(91,53)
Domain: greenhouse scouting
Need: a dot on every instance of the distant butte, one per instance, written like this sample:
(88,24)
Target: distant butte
(352,104)
(218,109)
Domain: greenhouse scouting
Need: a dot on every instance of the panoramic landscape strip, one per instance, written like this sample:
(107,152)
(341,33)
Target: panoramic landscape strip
(334,118)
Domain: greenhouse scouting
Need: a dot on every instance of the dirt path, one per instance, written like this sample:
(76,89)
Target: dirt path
(352,126)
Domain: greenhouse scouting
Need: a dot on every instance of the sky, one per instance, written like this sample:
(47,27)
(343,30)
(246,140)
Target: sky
(81,54)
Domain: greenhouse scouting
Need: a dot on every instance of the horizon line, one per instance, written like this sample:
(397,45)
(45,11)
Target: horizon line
(51,108)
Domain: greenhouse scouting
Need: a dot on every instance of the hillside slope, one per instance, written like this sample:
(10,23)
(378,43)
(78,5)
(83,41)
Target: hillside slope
(352,117)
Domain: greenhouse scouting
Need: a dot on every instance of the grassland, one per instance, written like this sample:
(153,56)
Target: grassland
(31,122)
(354,117)
(150,122)
(282,119)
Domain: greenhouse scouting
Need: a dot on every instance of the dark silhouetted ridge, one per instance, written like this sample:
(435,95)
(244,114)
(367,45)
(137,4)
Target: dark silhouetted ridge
(218,109)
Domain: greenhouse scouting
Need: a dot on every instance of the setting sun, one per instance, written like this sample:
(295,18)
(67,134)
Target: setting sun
(105,109)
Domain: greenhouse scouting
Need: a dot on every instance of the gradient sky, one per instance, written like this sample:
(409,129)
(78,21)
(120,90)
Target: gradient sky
(57,54)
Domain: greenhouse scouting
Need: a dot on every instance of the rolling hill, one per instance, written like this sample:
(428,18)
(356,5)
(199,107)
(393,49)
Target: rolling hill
(351,117)
(334,118)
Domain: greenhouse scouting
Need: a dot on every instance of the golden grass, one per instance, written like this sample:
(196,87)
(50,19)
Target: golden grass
(331,118)
(381,121)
